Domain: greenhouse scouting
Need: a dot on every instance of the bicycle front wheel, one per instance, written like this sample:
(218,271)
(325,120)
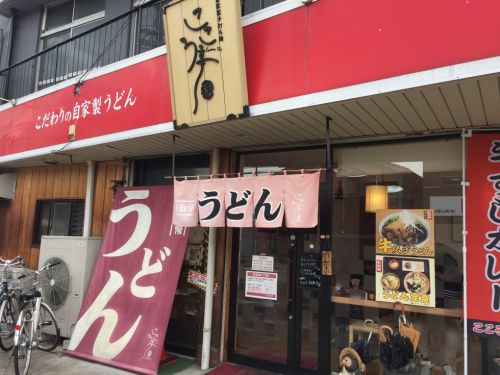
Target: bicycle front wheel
(8,317)
(22,351)
(48,332)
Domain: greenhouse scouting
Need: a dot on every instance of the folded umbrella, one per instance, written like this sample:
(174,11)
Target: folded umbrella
(365,347)
(396,351)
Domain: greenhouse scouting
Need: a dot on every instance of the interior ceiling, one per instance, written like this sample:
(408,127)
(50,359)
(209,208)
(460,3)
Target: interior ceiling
(439,109)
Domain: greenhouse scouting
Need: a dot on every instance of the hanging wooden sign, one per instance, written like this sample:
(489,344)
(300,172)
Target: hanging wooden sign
(206,61)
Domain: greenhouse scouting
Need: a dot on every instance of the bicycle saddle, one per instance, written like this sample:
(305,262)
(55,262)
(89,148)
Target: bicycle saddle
(32,294)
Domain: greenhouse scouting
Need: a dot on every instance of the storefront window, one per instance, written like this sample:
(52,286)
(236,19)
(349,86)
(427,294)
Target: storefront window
(423,176)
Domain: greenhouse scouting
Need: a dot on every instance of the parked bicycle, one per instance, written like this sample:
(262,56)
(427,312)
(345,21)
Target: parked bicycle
(36,326)
(9,302)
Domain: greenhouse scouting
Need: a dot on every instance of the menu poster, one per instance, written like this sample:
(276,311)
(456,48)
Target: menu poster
(310,271)
(405,232)
(407,280)
(261,285)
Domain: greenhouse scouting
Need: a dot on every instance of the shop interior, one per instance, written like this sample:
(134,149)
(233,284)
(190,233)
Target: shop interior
(416,173)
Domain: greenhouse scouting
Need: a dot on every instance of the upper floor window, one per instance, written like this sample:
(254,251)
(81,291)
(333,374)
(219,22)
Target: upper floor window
(250,6)
(61,22)
(71,14)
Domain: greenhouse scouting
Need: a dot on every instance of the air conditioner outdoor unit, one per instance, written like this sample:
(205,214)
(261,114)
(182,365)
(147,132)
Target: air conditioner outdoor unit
(64,286)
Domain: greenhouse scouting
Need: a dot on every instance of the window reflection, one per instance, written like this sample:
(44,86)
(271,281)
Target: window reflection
(418,174)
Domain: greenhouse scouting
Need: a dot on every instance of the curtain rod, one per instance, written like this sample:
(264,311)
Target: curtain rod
(239,174)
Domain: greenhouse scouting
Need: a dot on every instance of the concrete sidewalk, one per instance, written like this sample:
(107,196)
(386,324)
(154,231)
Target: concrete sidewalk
(57,363)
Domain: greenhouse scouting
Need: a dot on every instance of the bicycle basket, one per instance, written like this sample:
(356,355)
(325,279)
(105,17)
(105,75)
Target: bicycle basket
(11,272)
(25,284)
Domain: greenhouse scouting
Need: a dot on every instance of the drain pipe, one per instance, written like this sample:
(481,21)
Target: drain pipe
(209,293)
(89,198)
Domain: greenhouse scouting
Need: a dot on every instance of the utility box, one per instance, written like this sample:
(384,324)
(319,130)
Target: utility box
(7,185)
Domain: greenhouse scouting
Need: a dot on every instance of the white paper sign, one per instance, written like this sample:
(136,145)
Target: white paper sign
(261,285)
(447,206)
(262,263)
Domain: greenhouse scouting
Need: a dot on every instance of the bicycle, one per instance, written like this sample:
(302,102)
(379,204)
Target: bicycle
(36,326)
(9,302)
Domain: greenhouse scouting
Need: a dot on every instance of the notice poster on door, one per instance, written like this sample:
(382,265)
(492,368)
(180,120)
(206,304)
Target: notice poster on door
(125,313)
(261,285)
(407,280)
(483,235)
(405,232)
(262,263)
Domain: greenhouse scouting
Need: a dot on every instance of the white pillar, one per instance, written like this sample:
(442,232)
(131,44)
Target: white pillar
(465,134)
(209,294)
(89,198)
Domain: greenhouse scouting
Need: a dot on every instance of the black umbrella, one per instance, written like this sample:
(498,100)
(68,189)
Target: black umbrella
(365,347)
(396,351)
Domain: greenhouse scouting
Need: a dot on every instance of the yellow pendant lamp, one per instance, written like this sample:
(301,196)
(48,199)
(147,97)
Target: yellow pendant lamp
(376,198)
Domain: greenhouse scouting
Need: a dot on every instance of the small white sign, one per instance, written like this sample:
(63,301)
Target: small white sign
(261,285)
(262,263)
(447,206)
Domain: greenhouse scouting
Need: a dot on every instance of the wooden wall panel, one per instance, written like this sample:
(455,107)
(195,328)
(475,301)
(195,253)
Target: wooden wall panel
(106,172)
(17,216)
(53,182)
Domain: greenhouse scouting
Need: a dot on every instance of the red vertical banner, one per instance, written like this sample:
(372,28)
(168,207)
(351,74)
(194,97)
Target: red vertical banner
(483,235)
(125,313)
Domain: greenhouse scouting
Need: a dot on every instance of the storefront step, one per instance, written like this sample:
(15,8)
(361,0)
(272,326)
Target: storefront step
(231,369)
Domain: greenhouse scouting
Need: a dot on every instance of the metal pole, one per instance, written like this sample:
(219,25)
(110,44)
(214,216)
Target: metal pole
(89,198)
(173,154)
(465,134)
(209,293)
(328,144)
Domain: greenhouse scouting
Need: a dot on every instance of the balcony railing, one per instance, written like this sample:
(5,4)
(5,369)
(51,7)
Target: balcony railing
(132,33)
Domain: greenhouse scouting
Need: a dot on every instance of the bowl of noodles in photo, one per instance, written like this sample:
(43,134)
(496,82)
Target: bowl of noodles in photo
(390,281)
(405,229)
(416,282)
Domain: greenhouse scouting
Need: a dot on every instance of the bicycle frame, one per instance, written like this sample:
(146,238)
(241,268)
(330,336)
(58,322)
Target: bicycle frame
(33,322)
(35,315)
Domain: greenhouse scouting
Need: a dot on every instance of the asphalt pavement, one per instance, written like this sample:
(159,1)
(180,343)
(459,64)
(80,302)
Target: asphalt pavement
(57,362)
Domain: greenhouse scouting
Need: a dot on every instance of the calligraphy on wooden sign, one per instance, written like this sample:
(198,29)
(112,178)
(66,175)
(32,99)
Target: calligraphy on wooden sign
(206,61)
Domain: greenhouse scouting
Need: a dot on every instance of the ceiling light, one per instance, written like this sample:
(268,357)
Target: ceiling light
(394,189)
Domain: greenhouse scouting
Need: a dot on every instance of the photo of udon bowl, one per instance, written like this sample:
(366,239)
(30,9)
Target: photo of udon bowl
(405,229)
(390,281)
(417,282)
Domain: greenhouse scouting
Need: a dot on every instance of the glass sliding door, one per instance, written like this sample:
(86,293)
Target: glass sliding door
(280,331)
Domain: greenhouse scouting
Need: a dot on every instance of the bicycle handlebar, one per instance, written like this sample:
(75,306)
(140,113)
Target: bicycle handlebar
(17,261)
(47,266)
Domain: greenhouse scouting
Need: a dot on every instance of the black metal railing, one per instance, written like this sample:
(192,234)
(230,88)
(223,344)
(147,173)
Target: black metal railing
(134,32)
